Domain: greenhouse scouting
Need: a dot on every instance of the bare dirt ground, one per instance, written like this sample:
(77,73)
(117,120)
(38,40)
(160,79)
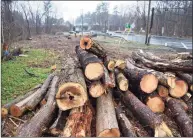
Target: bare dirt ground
(66,48)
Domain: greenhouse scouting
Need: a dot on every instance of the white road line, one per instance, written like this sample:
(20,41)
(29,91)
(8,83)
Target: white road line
(184,45)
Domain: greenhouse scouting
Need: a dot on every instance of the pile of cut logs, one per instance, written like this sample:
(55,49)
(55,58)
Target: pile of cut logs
(145,84)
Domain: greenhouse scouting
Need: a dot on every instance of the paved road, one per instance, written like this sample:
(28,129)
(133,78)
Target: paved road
(160,40)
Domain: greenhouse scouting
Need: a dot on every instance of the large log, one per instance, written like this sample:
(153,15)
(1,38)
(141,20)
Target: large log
(126,127)
(144,114)
(106,122)
(182,119)
(163,66)
(20,98)
(180,89)
(96,89)
(59,124)
(121,80)
(32,101)
(155,103)
(38,124)
(72,90)
(109,63)
(79,122)
(92,46)
(140,78)
(92,65)
(187,78)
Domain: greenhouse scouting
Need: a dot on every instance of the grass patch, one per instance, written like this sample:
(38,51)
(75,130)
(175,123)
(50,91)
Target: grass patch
(15,81)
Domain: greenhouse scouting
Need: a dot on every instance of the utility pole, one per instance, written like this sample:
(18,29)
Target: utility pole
(82,22)
(147,25)
(151,25)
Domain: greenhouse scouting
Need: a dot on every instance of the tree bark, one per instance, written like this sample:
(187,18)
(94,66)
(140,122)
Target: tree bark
(163,66)
(182,119)
(92,46)
(106,79)
(92,65)
(121,80)
(106,122)
(79,122)
(112,77)
(38,124)
(96,89)
(72,88)
(144,114)
(126,127)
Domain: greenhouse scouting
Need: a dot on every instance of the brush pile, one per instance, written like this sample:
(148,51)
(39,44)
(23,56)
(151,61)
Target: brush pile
(95,95)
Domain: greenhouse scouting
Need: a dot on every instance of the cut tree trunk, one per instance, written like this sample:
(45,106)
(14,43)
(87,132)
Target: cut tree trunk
(180,89)
(145,115)
(155,103)
(162,91)
(126,127)
(92,46)
(140,78)
(182,119)
(96,89)
(92,65)
(106,122)
(72,88)
(112,76)
(120,64)
(187,78)
(121,80)
(163,66)
(19,108)
(4,112)
(109,63)
(39,123)
(32,103)
(79,122)
(20,98)
(106,79)
(59,124)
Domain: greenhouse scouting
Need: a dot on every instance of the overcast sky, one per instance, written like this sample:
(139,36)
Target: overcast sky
(69,10)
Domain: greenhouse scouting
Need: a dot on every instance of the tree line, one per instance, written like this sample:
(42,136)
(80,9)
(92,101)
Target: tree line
(171,18)
(22,19)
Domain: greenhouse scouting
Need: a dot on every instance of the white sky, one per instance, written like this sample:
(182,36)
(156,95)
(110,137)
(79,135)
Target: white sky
(69,10)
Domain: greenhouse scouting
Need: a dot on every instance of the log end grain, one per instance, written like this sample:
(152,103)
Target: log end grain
(15,111)
(113,132)
(55,132)
(163,131)
(96,89)
(162,91)
(191,87)
(4,112)
(171,82)
(43,102)
(94,71)
(148,83)
(71,95)
(179,90)
(156,104)
(85,43)
(121,64)
(123,82)
(111,65)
